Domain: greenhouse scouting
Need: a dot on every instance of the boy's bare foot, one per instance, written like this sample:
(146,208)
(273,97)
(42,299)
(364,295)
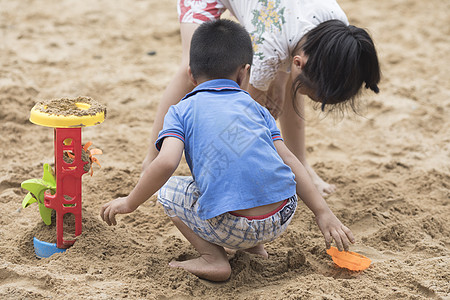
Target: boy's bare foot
(258,250)
(230,251)
(205,267)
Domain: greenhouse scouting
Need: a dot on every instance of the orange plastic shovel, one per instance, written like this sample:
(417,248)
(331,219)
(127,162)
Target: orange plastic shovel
(349,260)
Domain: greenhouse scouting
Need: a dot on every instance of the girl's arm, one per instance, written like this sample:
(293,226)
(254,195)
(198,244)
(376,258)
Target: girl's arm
(152,179)
(274,98)
(328,223)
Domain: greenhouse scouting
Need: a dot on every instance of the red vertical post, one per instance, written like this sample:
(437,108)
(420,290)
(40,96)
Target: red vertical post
(67,198)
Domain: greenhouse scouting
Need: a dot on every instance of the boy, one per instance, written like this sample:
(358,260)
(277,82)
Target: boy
(243,190)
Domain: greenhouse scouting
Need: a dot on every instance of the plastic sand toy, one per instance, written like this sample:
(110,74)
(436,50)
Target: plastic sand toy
(61,191)
(349,260)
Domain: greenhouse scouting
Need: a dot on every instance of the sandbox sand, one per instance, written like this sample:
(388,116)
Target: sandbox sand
(391,163)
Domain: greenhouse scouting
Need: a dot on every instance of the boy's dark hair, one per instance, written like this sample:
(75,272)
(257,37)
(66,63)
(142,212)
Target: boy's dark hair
(340,59)
(219,48)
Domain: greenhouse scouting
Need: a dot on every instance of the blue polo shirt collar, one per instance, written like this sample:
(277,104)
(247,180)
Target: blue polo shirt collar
(215,85)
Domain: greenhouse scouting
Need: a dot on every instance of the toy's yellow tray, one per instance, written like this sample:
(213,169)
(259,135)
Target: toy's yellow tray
(68,113)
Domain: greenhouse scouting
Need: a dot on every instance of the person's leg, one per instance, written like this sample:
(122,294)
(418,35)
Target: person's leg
(293,131)
(179,86)
(213,261)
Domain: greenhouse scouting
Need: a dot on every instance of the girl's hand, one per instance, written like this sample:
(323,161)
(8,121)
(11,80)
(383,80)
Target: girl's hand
(114,207)
(332,228)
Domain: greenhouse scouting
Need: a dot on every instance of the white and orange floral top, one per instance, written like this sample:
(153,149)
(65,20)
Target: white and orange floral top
(276,26)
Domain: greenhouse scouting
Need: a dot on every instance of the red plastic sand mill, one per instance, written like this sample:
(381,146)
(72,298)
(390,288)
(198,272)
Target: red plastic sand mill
(61,192)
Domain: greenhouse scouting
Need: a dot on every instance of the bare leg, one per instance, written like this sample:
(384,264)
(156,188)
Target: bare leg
(293,130)
(179,86)
(213,261)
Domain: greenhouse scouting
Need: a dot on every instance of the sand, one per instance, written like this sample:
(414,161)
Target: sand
(390,163)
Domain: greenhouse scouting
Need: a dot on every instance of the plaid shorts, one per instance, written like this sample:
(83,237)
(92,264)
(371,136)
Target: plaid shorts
(199,11)
(179,198)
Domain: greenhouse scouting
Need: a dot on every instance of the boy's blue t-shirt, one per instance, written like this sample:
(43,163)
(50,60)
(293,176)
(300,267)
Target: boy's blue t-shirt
(228,143)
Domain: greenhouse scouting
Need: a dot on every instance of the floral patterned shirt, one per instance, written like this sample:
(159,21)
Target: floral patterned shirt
(276,26)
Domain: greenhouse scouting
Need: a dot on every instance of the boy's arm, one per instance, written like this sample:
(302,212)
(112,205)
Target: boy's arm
(328,223)
(153,178)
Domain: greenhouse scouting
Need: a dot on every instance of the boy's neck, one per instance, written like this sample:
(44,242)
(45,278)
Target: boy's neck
(241,77)
(202,80)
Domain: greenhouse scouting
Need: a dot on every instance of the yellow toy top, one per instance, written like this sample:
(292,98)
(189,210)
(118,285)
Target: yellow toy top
(68,113)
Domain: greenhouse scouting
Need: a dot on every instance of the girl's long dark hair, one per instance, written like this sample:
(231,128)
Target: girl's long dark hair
(341,59)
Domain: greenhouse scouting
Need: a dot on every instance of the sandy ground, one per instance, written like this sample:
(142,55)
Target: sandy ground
(391,163)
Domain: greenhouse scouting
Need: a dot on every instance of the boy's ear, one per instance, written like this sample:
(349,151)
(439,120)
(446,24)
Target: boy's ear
(243,76)
(191,77)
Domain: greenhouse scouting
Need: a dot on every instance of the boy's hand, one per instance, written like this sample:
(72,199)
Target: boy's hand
(114,207)
(332,228)
(152,179)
